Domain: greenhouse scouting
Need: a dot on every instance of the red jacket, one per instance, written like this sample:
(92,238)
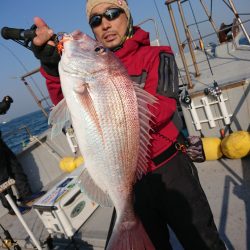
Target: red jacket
(142,61)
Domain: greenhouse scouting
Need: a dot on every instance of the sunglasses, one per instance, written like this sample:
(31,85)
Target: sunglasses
(109,14)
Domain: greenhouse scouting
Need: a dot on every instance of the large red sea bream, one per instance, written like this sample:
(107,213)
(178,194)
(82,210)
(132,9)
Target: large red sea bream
(111,120)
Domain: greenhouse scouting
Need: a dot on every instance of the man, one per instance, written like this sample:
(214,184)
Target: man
(170,194)
(5,104)
(11,168)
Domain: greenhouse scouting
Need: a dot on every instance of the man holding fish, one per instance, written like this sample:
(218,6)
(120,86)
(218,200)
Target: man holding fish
(132,140)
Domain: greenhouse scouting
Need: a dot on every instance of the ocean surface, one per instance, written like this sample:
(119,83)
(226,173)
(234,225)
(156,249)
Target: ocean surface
(14,132)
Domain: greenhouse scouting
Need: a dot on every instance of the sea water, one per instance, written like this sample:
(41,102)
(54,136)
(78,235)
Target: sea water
(15,132)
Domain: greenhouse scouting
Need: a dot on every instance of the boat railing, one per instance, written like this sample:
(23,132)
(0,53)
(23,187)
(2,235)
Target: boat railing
(30,139)
(214,33)
(155,42)
(27,138)
(17,131)
(30,89)
(191,42)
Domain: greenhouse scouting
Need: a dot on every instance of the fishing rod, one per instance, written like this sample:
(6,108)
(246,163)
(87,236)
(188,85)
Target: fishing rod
(214,91)
(21,36)
(165,32)
(9,241)
(25,36)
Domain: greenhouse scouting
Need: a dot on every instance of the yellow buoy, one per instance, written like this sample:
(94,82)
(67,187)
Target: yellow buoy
(211,147)
(79,160)
(236,145)
(68,164)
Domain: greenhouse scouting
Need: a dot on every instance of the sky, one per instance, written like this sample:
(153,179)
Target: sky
(67,16)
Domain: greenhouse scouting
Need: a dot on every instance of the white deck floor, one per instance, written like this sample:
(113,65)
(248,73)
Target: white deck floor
(226,183)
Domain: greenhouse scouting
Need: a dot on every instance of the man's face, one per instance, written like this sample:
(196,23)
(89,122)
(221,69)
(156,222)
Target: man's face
(109,33)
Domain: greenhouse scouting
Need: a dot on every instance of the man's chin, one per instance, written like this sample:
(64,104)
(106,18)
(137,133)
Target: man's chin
(111,44)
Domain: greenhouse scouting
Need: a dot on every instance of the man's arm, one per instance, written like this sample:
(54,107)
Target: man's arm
(45,50)
(160,84)
(54,87)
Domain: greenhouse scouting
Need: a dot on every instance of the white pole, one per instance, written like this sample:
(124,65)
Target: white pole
(208,112)
(223,109)
(14,207)
(195,117)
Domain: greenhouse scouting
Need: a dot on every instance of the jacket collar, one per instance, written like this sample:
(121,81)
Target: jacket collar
(131,45)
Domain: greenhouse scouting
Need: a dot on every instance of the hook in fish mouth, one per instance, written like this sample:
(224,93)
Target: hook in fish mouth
(61,37)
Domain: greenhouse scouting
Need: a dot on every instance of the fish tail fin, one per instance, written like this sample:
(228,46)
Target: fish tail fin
(129,236)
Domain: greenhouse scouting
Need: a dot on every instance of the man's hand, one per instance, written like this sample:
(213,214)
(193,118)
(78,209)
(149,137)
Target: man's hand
(43,33)
(44,48)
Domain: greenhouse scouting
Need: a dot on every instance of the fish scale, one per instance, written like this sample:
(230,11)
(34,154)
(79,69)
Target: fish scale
(105,111)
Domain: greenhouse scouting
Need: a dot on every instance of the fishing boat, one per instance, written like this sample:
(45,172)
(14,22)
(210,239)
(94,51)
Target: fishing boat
(214,81)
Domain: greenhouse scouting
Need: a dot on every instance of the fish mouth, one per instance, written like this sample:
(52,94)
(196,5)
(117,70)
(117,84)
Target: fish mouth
(65,37)
(61,40)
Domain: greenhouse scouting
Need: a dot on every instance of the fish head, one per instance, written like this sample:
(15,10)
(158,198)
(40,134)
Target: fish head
(82,56)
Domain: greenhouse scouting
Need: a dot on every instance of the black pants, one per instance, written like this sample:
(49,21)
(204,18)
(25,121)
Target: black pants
(172,195)
(11,168)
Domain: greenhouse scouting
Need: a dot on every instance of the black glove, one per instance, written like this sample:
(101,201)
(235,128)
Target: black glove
(195,149)
(49,58)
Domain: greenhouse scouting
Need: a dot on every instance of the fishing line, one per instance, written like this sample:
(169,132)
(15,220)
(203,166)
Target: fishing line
(228,5)
(216,87)
(198,29)
(165,32)
(216,91)
(25,69)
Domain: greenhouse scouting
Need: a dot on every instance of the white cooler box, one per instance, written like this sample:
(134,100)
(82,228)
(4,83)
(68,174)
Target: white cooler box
(64,208)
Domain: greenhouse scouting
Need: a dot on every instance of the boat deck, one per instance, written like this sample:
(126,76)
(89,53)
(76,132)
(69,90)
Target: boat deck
(92,235)
(226,183)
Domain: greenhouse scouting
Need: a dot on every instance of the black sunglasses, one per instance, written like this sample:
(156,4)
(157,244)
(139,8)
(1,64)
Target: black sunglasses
(109,14)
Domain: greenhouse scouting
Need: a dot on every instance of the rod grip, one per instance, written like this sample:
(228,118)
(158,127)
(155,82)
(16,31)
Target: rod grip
(17,34)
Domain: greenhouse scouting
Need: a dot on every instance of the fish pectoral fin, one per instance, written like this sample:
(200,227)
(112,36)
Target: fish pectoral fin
(84,97)
(80,89)
(59,118)
(89,187)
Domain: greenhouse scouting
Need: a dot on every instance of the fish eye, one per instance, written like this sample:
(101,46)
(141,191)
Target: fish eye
(100,49)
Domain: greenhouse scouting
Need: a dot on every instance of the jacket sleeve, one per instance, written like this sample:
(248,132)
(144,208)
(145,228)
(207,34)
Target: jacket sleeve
(165,107)
(54,87)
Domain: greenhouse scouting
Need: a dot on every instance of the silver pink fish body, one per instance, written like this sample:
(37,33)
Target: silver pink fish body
(104,111)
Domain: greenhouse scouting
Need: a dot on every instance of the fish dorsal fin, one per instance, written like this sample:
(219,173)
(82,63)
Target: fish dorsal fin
(96,194)
(59,118)
(144,100)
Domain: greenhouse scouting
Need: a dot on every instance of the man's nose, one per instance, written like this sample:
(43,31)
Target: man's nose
(105,23)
